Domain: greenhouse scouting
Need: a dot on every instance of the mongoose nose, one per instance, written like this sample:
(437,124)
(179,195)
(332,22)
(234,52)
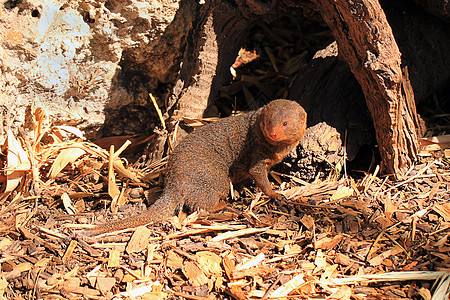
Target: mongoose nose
(273,135)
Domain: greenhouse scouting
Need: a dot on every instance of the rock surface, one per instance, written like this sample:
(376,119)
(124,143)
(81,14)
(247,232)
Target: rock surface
(74,58)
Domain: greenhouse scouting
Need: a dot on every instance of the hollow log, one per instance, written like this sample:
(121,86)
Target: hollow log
(366,42)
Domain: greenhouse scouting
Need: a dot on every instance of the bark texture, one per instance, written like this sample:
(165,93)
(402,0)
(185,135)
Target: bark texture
(207,59)
(366,43)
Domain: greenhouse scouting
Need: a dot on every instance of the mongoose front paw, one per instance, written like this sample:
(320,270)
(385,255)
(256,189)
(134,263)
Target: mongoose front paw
(276,196)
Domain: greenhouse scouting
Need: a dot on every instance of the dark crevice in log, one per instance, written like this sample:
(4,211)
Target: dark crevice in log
(439,8)
(329,92)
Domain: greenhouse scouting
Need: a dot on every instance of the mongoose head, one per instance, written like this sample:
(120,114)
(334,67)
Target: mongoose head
(283,122)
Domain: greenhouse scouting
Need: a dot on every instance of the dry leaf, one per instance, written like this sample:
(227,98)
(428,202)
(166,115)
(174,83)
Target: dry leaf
(17,164)
(73,130)
(68,204)
(341,192)
(66,156)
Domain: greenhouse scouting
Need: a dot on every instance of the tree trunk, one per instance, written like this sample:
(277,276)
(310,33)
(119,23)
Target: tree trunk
(209,54)
(366,43)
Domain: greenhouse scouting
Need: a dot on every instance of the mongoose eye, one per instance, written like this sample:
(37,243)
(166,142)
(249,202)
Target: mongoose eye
(285,123)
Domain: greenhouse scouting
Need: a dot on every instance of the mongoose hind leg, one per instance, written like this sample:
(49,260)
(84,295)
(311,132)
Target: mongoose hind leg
(209,195)
(210,201)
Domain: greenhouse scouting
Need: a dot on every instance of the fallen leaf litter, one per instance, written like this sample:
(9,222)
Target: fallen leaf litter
(336,238)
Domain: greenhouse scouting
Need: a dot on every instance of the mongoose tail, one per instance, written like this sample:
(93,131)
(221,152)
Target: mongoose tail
(163,208)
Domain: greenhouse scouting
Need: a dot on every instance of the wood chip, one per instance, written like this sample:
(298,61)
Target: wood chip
(194,274)
(114,258)
(139,240)
(329,241)
(237,233)
(443,210)
(288,287)
(209,262)
(105,284)
(69,251)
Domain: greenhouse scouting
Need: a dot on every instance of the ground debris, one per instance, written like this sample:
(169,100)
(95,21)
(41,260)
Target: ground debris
(334,237)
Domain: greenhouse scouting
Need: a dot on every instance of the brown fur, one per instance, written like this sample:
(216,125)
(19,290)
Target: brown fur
(234,148)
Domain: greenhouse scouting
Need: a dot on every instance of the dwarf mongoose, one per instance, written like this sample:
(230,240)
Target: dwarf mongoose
(234,148)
